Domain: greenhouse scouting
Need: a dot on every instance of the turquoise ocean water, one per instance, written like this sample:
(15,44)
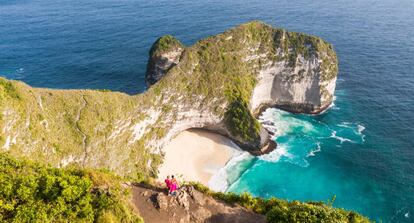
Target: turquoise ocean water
(361,149)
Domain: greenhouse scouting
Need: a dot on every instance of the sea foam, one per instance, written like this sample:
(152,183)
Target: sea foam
(231,172)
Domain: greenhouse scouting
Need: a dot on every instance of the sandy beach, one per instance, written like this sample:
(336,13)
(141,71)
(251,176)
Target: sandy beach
(196,155)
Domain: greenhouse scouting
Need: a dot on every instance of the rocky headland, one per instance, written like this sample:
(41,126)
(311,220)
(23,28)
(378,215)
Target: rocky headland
(220,84)
(70,155)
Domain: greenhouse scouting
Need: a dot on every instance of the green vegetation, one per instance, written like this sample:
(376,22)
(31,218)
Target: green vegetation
(102,129)
(241,122)
(51,125)
(122,133)
(282,211)
(32,192)
(223,65)
(164,44)
(7,89)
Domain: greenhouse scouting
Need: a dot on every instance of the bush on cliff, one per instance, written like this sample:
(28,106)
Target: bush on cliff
(282,211)
(32,192)
(241,123)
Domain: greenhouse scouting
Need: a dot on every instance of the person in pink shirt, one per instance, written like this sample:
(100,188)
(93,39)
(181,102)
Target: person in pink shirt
(168,183)
(173,186)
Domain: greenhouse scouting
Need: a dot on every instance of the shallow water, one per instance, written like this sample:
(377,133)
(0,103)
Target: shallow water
(104,44)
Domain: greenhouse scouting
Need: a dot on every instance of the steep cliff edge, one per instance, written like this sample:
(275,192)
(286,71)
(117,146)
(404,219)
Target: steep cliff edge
(164,54)
(219,84)
(32,192)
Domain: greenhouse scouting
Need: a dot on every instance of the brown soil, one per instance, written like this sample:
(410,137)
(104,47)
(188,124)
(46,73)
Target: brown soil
(201,208)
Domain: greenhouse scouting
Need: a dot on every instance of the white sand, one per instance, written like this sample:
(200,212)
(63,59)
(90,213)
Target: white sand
(196,155)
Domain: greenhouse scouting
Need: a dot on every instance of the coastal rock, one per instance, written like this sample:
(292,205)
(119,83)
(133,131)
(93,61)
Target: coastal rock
(273,68)
(220,83)
(161,201)
(185,219)
(305,85)
(164,54)
(197,196)
(182,199)
(213,211)
(200,215)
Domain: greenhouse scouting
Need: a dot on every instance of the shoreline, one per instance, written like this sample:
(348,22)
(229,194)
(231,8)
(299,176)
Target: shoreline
(196,155)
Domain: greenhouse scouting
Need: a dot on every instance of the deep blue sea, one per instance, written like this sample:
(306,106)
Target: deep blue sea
(361,150)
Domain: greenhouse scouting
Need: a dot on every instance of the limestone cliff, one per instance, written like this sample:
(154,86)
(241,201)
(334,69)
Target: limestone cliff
(164,54)
(219,83)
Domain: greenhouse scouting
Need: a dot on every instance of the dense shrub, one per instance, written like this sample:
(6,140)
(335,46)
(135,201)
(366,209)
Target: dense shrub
(34,193)
(240,122)
(7,90)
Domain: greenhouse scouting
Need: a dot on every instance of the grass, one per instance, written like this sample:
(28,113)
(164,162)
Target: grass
(164,44)
(45,124)
(7,90)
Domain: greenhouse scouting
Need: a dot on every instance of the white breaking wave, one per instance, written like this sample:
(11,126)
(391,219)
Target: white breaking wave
(276,154)
(331,106)
(341,139)
(230,172)
(288,128)
(358,129)
(280,122)
(18,74)
(361,128)
(312,152)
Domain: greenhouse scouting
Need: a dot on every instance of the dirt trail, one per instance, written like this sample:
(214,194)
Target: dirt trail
(84,137)
(189,206)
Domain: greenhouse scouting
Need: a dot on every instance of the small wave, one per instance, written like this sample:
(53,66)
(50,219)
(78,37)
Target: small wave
(406,215)
(312,152)
(331,106)
(361,128)
(341,139)
(358,129)
(18,74)
(231,172)
(276,154)
(218,182)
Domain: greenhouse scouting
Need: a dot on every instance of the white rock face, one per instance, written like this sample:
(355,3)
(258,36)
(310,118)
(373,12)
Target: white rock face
(187,119)
(298,89)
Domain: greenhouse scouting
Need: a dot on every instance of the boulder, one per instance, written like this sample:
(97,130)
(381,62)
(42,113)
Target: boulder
(161,201)
(182,199)
(197,196)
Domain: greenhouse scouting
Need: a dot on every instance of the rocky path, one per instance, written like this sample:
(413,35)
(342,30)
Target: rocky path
(189,205)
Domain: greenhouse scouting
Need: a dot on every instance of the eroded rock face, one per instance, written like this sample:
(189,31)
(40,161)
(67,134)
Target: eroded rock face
(164,54)
(304,88)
